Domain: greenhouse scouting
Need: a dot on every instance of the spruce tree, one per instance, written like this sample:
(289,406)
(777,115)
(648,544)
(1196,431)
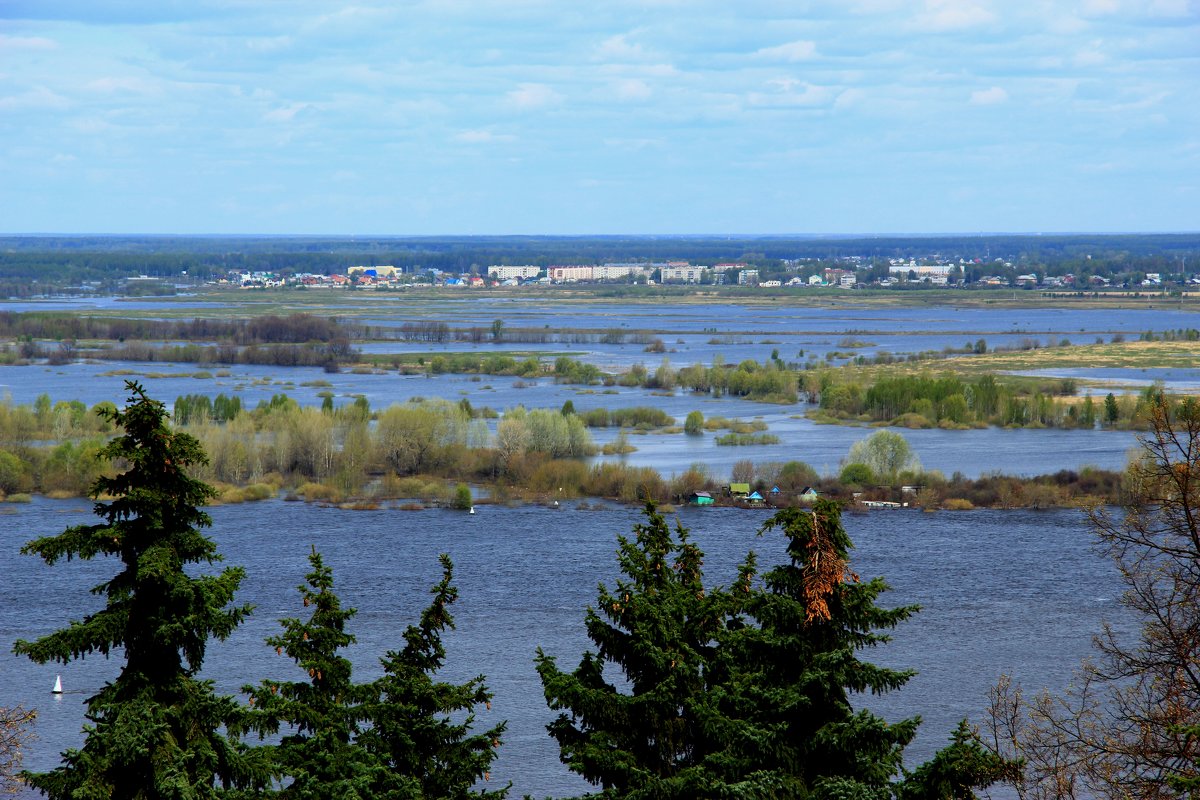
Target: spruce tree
(788,678)
(746,692)
(317,756)
(413,732)
(154,731)
(640,735)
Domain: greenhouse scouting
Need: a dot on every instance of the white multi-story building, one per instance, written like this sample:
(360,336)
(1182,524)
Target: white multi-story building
(922,271)
(616,272)
(688,274)
(504,273)
(748,277)
(569,274)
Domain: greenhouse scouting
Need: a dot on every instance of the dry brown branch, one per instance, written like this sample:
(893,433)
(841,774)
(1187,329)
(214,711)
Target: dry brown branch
(14,733)
(1126,728)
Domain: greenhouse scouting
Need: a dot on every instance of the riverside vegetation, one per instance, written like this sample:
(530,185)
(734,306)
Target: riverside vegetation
(418,452)
(745,690)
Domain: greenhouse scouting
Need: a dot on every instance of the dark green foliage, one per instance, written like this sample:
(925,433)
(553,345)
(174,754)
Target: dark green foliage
(191,408)
(1111,411)
(856,475)
(644,417)
(957,770)
(426,753)
(745,692)
(317,756)
(153,731)
(891,397)
(658,628)
(794,669)
(402,736)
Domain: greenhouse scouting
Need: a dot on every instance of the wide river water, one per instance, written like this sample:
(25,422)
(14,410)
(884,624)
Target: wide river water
(1018,592)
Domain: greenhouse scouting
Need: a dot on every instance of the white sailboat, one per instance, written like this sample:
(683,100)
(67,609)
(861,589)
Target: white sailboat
(57,685)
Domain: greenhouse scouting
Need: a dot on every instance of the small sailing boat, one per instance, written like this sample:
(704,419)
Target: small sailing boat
(472,511)
(57,685)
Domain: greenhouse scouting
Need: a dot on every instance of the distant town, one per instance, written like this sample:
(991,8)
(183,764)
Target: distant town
(850,273)
(1066,264)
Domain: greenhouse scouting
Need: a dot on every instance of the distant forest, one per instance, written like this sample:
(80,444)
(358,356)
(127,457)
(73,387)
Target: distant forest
(34,265)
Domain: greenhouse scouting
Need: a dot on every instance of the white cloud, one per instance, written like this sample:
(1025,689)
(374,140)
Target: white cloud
(632,89)
(618,48)
(26,43)
(989,97)
(792,92)
(952,15)
(127,84)
(481,137)
(529,96)
(849,99)
(39,97)
(1172,8)
(1090,58)
(800,50)
(634,144)
(286,113)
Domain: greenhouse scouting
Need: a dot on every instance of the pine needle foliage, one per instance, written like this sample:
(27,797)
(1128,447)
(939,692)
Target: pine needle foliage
(396,737)
(153,732)
(640,736)
(797,663)
(319,717)
(427,754)
(745,692)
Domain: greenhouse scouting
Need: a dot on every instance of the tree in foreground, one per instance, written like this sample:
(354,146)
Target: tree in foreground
(421,727)
(745,692)
(794,670)
(393,738)
(14,733)
(659,628)
(1129,726)
(319,717)
(154,731)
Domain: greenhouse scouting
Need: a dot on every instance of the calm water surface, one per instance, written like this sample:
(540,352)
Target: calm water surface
(1002,591)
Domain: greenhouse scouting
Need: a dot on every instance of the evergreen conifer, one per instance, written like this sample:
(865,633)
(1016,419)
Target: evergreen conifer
(317,756)
(745,692)
(426,753)
(154,731)
(639,736)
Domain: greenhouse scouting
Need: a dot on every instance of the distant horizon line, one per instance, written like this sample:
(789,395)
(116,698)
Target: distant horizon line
(726,235)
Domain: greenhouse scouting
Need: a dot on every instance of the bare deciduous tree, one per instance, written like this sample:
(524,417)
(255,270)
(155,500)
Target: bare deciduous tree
(14,733)
(1128,726)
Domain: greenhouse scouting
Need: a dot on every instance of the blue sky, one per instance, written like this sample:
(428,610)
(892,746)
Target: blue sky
(564,117)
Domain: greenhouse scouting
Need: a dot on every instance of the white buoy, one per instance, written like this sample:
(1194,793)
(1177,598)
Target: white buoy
(57,685)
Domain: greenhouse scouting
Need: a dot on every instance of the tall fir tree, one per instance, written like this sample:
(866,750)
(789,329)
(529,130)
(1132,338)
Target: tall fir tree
(789,677)
(154,731)
(746,692)
(317,755)
(640,736)
(413,732)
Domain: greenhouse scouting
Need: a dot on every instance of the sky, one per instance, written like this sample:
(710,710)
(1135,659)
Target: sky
(429,117)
